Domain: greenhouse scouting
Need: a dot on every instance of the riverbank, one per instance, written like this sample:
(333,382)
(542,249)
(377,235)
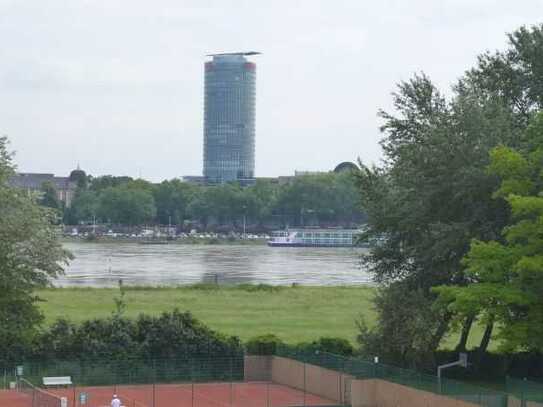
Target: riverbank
(295,314)
(177,241)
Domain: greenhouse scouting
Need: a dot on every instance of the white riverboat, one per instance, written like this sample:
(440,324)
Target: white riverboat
(314,238)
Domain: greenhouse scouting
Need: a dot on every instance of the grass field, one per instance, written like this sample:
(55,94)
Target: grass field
(295,314)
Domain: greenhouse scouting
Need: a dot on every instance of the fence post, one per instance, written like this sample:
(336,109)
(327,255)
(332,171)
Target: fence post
(191,364)
(305,381)
(231,381)
(154,380)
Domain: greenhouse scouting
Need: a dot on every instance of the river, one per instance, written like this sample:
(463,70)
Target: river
(103,264)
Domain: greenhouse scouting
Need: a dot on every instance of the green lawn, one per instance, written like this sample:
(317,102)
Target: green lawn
(295,314)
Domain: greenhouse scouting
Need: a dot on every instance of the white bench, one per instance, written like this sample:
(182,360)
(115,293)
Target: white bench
(57,381)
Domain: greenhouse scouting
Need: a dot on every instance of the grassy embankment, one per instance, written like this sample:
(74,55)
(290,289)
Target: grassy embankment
(295,314)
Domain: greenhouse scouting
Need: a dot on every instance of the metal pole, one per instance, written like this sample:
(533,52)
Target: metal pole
(154,380)
(244,224)
(305,384)
(191,365)
(231,383)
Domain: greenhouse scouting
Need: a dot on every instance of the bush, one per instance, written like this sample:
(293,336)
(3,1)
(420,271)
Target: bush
(269,344)
(337,346)
(263,345)
(169,335)
(260,287)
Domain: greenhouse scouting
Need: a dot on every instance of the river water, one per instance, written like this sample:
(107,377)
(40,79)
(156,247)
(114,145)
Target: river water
(103,264)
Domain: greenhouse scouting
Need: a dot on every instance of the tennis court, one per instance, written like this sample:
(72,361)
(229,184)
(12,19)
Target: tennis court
(242,394)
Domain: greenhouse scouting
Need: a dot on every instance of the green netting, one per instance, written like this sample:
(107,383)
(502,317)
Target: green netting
(38,397)
(364,369)
(207,368)
(525,390)
(104,372)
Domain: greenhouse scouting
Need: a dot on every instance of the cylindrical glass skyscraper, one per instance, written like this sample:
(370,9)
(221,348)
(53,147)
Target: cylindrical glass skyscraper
(229,118)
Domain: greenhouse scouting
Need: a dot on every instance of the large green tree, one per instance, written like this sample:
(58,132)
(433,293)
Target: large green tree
(30,256)
(49,196)
(319,199)
(506,275)
(84,206)
(513,76)
(433,193)
(129,204)
(172,198)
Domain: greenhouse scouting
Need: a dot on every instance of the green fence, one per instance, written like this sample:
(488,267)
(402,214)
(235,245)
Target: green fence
(196,369)
(364,369)
(104,372)
(525,390)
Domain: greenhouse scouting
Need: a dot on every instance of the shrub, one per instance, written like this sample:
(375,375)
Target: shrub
(337,346)
(169,335)
(263,345)
(259,287)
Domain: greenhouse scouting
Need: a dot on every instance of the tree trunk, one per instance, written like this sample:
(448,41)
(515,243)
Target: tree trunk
(440,332)
(466,328)
(485,340)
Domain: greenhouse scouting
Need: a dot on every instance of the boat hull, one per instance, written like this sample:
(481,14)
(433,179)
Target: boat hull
(294,244)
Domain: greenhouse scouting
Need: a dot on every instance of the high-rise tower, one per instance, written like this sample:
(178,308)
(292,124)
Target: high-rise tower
(229,118)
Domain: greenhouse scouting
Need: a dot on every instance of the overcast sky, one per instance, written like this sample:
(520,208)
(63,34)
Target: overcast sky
(117,86)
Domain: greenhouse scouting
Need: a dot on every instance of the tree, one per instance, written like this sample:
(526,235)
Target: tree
(514,76)
(318,199)
(98,184)
(405,316)
(30,256)
(199,207)
(49,196)
(172,199)
(126,204)
(506,275)
(84,206)
(433,194)
(264,197)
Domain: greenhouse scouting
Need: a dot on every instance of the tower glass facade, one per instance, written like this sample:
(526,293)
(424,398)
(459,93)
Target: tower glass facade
(229,118)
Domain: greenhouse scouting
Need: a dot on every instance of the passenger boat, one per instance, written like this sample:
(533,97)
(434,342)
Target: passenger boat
(314,238)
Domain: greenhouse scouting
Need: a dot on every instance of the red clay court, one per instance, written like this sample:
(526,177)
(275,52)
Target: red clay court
(235,394)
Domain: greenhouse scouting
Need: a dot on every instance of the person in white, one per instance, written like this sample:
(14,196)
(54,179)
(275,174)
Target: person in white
(115,402)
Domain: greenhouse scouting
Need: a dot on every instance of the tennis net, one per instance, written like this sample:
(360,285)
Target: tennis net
(130,402)
(40,398)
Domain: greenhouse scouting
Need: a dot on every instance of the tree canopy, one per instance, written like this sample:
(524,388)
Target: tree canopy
(30,256)
(506,275)
(327,199)
(434,194)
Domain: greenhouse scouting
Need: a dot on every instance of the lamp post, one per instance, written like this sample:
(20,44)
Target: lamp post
(244,220)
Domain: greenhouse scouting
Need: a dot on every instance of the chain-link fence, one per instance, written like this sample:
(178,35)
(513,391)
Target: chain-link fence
(104,372)
(175,382)
(287,378)
(529,392)
(363,369)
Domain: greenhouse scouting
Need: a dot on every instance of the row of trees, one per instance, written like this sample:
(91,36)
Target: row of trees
(458,200)
(330,199)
